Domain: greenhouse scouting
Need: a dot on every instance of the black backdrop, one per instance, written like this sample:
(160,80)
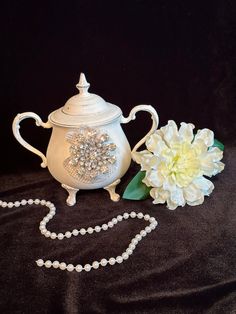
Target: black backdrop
(175,55)
(178,56)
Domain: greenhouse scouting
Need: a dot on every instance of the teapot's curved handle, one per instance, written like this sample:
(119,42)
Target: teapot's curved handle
(16,132)
(132,116)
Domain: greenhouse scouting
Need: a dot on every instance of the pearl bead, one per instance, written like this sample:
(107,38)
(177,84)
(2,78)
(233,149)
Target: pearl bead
(4,204)
(146,217)
(48,264)
(148,229)
(119,218)
(10,205)
(55,264)
(152,226)
(48,204)
(134,241)
(79,268)
(132,246)
(30,201)
(50,216)
(68,234)
(43,231)
(42,202)
(140,215)
(90,230)
(110,224)
(152,219)
(97,228)
(143,233)
(45,219)
(138,237)
(40,262)
(104,262)
(60,236)
(125,256)
(82,231)
(87,267)
(23,202)
(62,266)
(36,201)
(17,204)
(115,221)
(95,265)
(104,226)
(129,251)
(70,267)
(126,215)
(112,261)
(47,234)
(119,259)
(75,232)
(133,215)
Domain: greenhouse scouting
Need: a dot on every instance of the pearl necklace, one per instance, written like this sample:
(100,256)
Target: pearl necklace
(68,234)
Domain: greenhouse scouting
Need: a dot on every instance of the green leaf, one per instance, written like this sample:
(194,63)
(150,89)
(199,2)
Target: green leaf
(218,144)
(136,189)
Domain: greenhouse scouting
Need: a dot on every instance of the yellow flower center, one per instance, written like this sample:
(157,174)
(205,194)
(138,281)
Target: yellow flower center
(181,164)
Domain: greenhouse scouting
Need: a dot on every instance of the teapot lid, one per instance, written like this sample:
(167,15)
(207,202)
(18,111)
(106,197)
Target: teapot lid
(84,108)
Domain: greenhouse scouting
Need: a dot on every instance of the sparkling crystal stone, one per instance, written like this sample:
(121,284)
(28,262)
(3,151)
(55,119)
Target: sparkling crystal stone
(89,153)
(104,138)
(112,146)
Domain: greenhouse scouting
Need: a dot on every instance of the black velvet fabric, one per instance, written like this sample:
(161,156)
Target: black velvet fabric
(186,265)
(178,56)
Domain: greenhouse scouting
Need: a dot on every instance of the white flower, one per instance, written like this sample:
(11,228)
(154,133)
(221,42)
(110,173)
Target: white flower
(176,162)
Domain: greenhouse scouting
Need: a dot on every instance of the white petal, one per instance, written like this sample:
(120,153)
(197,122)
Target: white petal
(171,205)
(199,146)
(170,133)
(219,167)
(159,195)
(197,202)
(192,194)
(176,194)
(137,156)
(210,163)
(153,178)
(177,197)
(169,184)
(186,131)
(204,184)
(155,144)
(206,135)
(159,132)
(145,159)
(216,153)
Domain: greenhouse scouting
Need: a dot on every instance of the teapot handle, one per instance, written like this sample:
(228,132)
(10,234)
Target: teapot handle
(132,116)
(16,132)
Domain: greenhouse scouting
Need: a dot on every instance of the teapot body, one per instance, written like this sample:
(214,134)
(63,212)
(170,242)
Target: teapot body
(88,148)
(63,147)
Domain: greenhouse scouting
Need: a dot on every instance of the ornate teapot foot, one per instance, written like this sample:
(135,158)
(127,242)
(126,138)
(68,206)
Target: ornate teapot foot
(111,190)
(71,199)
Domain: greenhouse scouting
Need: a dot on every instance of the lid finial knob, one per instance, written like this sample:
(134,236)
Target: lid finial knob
(83,85)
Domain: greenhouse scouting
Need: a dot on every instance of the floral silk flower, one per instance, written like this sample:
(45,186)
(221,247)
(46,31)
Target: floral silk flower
(176,163)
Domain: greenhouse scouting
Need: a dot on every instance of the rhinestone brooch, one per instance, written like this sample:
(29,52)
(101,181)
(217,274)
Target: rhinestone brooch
(91,154)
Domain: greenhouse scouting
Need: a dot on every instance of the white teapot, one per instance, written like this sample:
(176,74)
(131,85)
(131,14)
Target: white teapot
(88,148)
